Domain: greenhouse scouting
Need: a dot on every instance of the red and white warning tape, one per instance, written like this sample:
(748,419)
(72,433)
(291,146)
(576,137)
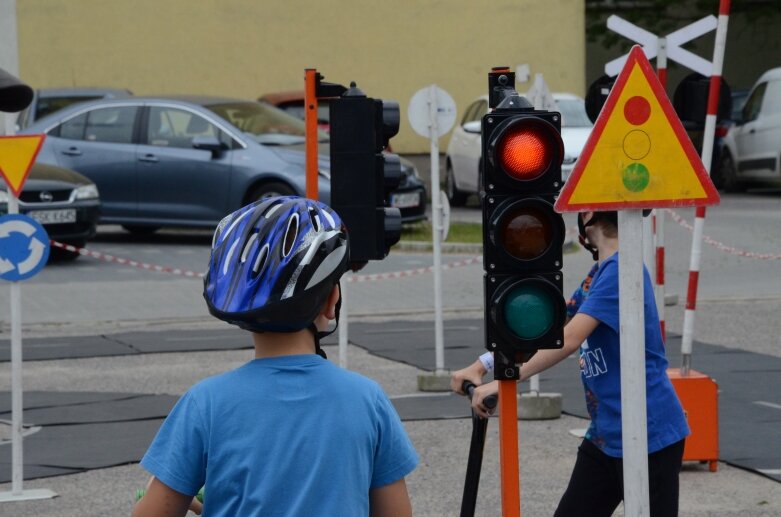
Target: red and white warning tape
(191,274)
(721,246)
(132,263)
(412,272)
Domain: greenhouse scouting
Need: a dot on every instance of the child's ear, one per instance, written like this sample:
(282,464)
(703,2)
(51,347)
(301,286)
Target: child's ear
(330,304)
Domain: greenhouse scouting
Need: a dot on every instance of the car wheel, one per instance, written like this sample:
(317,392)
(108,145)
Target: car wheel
(727,176)
(455,196)
(271,189)
(140,230)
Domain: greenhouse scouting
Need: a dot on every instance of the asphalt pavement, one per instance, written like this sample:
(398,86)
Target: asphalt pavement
(172,345)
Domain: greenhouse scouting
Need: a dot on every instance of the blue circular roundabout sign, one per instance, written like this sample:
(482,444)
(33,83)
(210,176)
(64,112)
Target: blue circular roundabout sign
(24,247)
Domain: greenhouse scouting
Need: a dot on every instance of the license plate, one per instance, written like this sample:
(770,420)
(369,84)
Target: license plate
(66,215)
(405,200)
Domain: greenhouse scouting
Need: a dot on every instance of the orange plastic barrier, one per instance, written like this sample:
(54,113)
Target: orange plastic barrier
(698,394)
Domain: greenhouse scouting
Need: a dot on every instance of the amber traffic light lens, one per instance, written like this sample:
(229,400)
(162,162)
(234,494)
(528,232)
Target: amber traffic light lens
(526,232)
(525,153)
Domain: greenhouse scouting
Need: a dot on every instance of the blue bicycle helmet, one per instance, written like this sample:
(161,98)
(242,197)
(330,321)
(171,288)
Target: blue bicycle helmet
(273,264)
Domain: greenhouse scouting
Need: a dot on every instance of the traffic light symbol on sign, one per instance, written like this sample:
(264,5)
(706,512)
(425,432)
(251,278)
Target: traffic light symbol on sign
(362,174)
(638,154)
(523,235)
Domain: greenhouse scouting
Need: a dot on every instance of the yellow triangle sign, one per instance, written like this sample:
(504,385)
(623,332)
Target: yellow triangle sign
(638,154)
(17,155)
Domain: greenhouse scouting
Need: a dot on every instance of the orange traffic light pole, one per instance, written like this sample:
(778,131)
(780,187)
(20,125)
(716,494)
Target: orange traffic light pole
(508,449)
(310,121)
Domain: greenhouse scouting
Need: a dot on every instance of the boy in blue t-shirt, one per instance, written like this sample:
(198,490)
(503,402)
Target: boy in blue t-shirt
(288,433)
(596,484)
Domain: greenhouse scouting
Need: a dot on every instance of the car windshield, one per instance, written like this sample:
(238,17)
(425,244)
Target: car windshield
(573,113)
(266,124)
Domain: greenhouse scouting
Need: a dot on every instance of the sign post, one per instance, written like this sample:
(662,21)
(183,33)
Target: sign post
(21,259)
(432,113)
(662,48)
(637,157)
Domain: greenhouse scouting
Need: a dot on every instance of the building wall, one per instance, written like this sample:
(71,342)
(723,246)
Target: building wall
(245,48)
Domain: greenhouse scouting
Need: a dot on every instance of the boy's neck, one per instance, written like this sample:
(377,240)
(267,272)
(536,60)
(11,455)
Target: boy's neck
(276,344)
(607,247)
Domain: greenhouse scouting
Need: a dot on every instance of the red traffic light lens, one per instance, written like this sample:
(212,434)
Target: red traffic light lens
(525,232)
(525,151)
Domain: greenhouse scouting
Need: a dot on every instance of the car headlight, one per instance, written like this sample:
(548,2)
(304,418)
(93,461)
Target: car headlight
(85,192)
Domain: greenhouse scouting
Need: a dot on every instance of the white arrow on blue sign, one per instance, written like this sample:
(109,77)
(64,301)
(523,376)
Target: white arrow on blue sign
(24,247)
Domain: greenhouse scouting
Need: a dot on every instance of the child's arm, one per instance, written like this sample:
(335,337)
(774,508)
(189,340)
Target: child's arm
(575,332)
(390,500)
(162,501)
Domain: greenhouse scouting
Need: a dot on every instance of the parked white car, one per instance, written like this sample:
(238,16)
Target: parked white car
(752,147)
(463,159)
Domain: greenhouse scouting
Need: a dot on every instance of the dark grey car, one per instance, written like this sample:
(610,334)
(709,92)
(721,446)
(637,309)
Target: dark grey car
(66,203)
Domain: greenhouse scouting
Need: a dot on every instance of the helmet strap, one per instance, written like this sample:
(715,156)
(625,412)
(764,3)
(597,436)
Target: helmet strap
(583,239)
(320,335)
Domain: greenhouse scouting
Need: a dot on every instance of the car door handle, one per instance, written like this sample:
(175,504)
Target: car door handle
(148,158)
(72,151)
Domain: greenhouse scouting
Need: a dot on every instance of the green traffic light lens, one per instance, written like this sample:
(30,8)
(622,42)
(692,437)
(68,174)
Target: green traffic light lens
(529,310)
(526,232)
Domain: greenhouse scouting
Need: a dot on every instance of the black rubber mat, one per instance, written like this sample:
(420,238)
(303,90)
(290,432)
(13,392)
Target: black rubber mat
(83,430)
(86,430)
(129,343)
(749,412)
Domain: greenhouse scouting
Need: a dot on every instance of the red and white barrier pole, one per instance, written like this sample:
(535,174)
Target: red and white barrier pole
(658,217)
(707,155)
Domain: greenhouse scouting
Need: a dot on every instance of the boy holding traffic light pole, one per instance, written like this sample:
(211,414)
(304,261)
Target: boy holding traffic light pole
(288,433)
(596,484)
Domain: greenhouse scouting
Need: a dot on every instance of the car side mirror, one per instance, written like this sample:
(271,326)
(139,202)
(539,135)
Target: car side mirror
(208,143)
(472,126)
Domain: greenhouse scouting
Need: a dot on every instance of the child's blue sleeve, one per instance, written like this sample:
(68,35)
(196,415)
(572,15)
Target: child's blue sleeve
(177,456)
(394,456)
(602,300)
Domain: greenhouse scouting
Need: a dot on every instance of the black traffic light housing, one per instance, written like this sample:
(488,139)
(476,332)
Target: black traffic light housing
(523,236)
(362,174)
(14,94)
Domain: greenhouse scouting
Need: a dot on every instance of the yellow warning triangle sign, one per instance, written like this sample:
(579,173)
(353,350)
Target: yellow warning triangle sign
(638,154)
(17,155)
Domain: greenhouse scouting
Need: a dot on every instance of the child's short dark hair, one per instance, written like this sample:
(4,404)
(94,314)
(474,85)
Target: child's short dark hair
(609,222)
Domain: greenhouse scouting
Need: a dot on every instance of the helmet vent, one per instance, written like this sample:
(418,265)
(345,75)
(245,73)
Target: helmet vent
(260,262)
(315,219)
(248,247)
(290,235)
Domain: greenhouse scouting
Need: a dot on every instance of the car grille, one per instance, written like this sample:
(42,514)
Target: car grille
(34,196)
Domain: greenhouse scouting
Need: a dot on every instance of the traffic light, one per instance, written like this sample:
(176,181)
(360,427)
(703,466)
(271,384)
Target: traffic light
(362,175)
(522,234)
(14,94)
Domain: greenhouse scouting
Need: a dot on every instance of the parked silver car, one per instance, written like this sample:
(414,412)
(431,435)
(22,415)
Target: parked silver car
(464,152)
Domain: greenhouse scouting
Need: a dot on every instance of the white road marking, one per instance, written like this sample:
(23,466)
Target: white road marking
(768,404)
